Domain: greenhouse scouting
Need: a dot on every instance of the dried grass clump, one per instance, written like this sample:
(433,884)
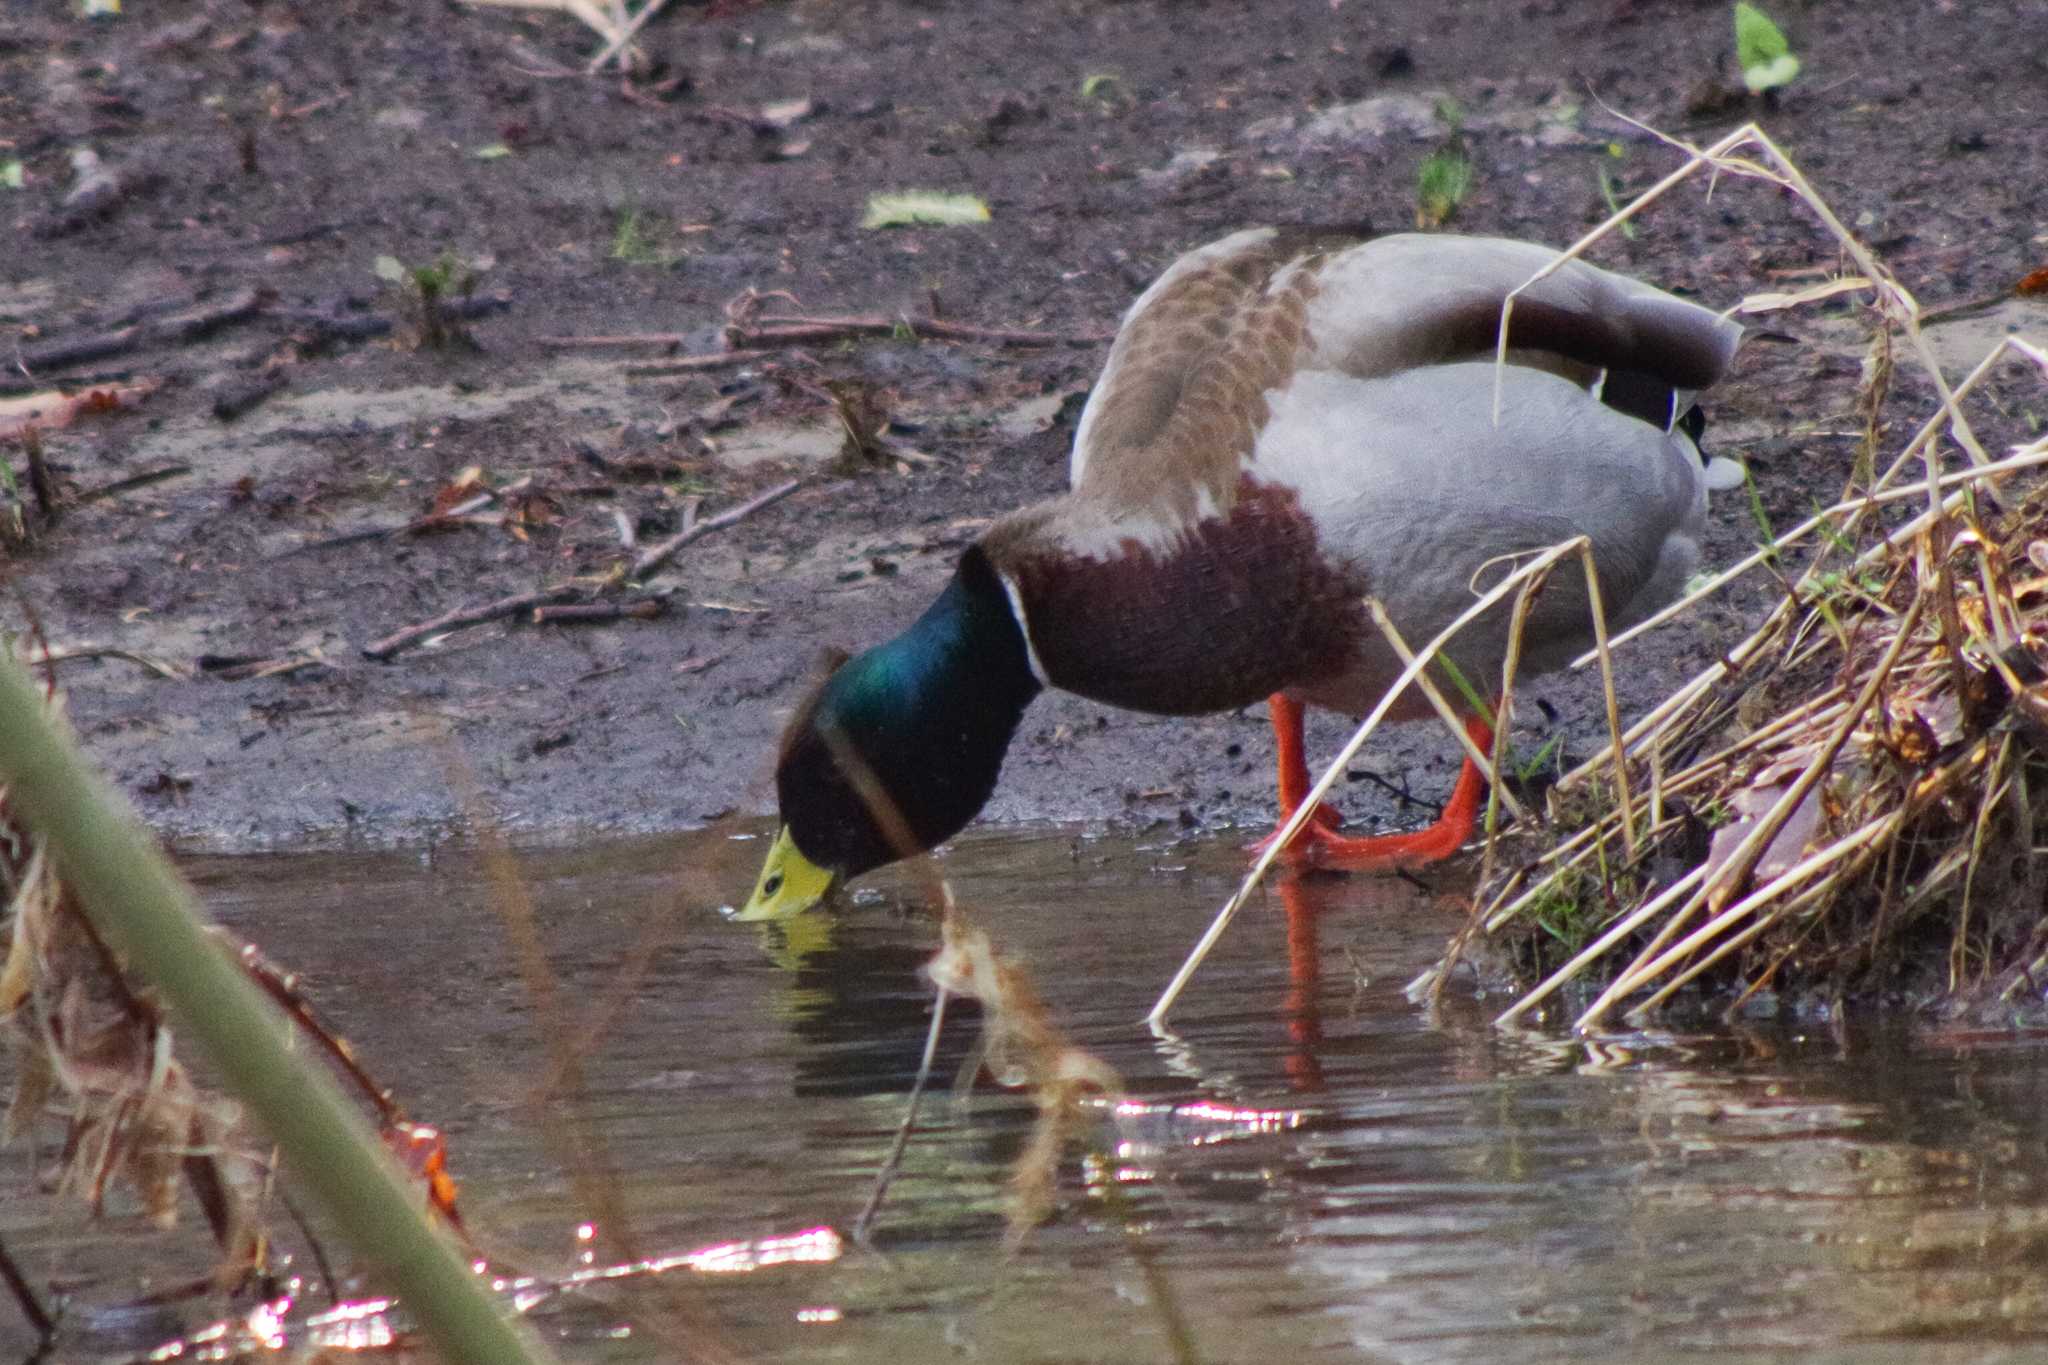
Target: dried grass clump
(94,1054)
(1846,804)
(1020,1046)
(1850,811)
(92,1047)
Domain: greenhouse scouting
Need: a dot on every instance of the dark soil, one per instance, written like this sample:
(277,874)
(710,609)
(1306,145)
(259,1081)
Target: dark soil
(286,148)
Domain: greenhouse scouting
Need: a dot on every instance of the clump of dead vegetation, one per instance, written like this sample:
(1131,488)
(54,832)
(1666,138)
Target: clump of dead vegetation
(1849,809)
(91,1047)
(1846,804)
(96,1058)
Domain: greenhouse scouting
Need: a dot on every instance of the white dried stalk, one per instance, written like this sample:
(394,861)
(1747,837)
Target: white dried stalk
(1306,810)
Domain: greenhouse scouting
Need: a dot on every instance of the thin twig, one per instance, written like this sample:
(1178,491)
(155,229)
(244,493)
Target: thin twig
(399,641)
(792,330)
(55,654)
(25,1298)
(893,1162)
(189,325)
(588,613)
(129,484)
(658,554)
(458,515)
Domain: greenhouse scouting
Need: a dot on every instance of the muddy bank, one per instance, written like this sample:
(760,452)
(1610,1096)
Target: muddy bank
(286,150)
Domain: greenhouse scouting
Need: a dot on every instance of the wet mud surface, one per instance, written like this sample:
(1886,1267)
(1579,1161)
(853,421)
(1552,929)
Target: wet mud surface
(284,149)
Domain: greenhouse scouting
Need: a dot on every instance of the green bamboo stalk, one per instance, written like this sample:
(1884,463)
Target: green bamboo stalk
(141,906)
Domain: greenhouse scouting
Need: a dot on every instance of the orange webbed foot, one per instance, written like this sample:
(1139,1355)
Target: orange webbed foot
(1320,845)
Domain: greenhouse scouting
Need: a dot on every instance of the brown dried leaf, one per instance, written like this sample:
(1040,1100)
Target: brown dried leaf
(1786,848)
(459,490)
(33,1088)
(1022,1047)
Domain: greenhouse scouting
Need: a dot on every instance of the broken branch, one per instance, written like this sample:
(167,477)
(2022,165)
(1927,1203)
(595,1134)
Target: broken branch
(584,613)
(399,641)
(786,331)
(189,325)
(655,556)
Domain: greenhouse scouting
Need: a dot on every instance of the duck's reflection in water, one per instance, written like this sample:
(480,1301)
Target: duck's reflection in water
(859,1000)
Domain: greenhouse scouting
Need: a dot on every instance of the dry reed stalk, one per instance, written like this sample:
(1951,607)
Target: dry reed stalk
(1531,567)
(1442,706)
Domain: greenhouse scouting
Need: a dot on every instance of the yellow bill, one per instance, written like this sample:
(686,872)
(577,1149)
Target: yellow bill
(790,883)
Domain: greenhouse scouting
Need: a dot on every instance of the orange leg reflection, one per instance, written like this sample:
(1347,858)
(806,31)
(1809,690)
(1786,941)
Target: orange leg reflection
(1304,1011)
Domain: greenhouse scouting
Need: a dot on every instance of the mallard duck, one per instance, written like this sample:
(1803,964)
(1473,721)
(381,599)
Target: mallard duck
(1288,421)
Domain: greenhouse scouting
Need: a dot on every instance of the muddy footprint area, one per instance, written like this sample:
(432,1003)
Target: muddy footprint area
(369,290)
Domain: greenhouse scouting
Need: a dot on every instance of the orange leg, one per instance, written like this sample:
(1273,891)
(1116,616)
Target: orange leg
(1294,779)
(1319,845)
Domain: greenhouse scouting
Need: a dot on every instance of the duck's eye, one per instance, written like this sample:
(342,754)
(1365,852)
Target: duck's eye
(772,885)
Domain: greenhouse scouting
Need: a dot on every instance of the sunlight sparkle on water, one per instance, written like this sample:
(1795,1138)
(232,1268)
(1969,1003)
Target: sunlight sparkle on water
(266,1323)
(1209,1122)
(735,1258)
(364,1325)
(812,1246)
(361,1326)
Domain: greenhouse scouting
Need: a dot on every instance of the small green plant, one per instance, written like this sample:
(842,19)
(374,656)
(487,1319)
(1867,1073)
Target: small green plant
(1571,909)
(1564,918)
(1102,86)
(1441,183)
(1610,188)
(14,529)
(1544,760)
(1761,50)
(1769,544)
(1836,586)
(1462,685)
(924,207)
(644,239)
(424,292)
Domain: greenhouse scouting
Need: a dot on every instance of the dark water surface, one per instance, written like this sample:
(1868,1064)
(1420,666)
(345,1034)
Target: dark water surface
(1309,1168)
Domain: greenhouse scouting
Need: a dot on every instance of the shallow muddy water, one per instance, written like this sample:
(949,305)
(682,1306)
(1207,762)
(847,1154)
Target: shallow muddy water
(1308,1167)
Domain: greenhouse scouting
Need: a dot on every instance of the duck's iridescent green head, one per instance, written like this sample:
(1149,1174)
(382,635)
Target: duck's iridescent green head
(900,746)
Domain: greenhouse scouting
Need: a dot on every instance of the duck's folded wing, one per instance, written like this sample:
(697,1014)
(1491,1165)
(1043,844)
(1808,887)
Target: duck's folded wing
(1174,418)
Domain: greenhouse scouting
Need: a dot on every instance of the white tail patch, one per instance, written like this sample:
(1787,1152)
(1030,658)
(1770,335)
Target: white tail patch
(1724,474)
